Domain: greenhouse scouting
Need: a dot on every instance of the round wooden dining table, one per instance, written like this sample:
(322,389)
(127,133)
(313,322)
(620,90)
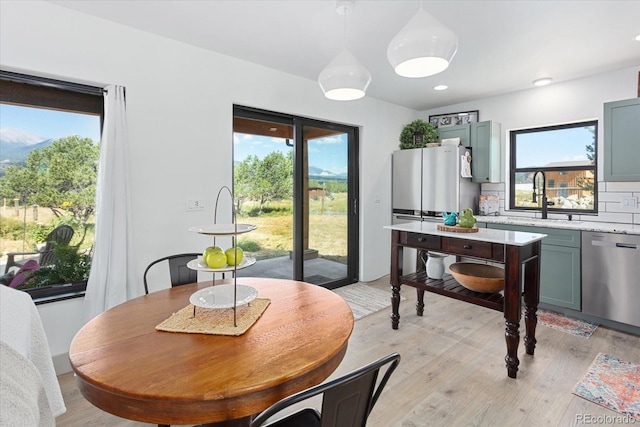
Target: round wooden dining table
(126,367)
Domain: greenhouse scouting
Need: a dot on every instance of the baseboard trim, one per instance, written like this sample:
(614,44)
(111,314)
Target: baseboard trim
(61,363)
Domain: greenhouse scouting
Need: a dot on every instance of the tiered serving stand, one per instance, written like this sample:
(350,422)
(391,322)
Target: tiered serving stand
(225,295)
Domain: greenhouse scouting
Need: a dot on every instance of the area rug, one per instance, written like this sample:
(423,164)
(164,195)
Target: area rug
(613,384)
(565,324)
(364,299)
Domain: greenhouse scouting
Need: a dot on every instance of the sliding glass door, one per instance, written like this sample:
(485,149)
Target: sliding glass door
(296,179)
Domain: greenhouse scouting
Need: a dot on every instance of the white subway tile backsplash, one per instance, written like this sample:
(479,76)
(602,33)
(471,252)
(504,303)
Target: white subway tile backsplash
(611,196)
(610,202)
(621,186)
(625,218)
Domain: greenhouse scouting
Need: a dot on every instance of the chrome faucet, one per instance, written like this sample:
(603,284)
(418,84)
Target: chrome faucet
(544,192)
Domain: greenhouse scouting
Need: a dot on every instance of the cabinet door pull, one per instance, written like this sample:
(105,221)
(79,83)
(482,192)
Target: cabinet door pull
(421,239)
(467,246)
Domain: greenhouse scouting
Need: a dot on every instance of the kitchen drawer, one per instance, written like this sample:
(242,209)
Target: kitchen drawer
(474,248)
(420,241)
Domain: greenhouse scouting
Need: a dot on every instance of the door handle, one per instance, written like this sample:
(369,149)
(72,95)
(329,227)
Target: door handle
(467,246)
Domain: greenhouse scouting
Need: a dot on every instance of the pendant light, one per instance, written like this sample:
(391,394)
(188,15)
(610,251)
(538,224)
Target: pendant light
(344,78)
(423,47)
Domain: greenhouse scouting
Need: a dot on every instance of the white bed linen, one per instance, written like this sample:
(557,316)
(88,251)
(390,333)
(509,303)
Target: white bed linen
(21,329)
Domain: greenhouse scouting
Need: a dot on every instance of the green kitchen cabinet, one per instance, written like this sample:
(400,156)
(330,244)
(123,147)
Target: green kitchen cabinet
(484,140)
(622,140)
(485,146)
(560,280)
(460,131)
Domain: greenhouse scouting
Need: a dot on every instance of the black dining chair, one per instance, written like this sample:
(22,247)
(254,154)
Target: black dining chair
(347,401)
(179,273)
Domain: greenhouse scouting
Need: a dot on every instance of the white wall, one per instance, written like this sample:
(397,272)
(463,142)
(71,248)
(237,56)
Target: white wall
(179,111)
(571,101)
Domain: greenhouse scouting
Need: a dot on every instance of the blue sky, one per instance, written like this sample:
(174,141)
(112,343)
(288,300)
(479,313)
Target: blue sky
(50,123)
(329,153)
(541,148)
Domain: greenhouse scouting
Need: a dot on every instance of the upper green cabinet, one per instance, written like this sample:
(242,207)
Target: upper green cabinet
(622,140)
(485,145)
(460,131)
(484,140)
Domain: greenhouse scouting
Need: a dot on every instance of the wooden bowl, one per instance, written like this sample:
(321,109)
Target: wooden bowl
(478,277)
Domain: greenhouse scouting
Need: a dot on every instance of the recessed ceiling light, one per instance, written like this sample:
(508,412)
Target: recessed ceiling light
(441,87)
(638,38)
(543,81)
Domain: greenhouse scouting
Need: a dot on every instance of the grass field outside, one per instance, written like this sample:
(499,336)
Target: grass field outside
(273,237)
(14,237)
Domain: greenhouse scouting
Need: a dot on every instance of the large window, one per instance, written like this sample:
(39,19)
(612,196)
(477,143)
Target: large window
(49,150)
(566,156)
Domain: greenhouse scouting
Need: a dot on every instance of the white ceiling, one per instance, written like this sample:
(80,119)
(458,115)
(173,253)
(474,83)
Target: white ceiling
(502,45)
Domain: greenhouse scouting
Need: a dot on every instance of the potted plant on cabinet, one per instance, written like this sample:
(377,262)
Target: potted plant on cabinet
(418,134)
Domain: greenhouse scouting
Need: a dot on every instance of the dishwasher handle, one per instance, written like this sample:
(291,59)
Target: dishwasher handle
(626,245)
(606,244)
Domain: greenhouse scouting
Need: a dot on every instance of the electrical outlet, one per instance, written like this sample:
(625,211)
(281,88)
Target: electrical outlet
(629,204)
(195,205)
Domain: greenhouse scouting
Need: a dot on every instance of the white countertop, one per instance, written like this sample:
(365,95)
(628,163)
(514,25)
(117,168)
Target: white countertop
(603,227)
(514,238)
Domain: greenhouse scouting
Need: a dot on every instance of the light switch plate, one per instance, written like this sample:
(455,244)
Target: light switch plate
(195,205)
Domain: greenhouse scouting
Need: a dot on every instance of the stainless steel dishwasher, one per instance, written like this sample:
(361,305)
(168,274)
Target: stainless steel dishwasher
(611,276)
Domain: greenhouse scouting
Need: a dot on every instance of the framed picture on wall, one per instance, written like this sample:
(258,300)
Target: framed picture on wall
(452,119)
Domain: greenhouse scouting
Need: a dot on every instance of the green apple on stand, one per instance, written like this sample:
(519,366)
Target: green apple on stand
(215,259)
(234,255)
(211,249)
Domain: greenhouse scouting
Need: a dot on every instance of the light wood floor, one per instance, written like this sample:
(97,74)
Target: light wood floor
(452,371)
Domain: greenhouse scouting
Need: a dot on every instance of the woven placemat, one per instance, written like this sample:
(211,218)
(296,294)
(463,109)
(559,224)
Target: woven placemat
(215,321)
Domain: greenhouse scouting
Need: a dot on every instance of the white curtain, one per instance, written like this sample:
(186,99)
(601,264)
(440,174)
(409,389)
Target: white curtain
(112,278)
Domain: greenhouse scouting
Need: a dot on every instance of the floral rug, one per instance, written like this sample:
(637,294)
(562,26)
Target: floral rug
(566,324)
(613,384)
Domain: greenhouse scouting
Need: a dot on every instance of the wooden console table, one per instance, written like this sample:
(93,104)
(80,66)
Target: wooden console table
(518,251)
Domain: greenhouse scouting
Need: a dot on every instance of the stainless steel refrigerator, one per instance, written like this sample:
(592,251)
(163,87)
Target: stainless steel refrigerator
(427,182)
